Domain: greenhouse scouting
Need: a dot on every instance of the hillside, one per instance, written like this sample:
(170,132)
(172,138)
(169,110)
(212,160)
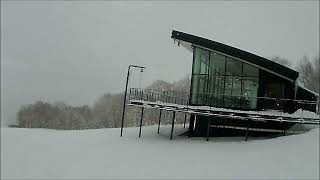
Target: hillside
(96,154)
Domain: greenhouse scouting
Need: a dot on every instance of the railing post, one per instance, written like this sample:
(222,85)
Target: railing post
(166,98)
(129,94)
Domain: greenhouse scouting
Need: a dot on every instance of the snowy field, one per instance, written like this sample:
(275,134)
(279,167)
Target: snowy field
(102,154)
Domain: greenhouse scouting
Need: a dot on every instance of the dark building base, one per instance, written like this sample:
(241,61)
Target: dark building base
(201,127)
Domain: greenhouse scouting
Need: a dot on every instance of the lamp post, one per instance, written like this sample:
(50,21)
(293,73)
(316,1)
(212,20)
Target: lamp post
(125,94)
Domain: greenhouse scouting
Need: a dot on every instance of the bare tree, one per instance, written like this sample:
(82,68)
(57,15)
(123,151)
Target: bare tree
(316,74)
(308,73)
(106,112)
(281,60)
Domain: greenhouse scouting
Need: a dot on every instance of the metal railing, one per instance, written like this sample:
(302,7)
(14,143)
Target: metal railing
(278,105)
(251,102)
(153,95)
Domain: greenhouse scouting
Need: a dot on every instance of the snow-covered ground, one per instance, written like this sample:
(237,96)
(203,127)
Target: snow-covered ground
(102,154)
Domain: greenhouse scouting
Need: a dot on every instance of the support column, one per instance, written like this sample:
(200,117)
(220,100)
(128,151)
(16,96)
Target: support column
(185,119)
(174,115)
(124,102)
(159,121)
(141,121)
(284,129)
(191,125)
(208,129)
(247,131)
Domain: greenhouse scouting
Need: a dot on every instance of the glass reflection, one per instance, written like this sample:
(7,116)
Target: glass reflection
(222,81)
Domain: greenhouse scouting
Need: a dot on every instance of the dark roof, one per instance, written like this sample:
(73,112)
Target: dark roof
(238,53)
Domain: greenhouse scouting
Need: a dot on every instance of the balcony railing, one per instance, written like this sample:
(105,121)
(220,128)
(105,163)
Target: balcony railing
(153,95)
(280,105)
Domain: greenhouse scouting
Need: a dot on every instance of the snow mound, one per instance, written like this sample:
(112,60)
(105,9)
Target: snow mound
(306,114)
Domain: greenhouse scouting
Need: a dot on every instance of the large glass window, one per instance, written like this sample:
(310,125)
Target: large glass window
(217,63)
(233,67)
(222,81)
(200,72)
(201,61)
(250,92)
(250,71)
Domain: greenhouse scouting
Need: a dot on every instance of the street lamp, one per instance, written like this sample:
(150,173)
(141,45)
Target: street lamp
(125,93)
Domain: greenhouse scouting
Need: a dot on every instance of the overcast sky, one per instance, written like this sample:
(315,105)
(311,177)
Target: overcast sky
(76,51)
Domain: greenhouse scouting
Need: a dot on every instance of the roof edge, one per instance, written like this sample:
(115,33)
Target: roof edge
(237,53)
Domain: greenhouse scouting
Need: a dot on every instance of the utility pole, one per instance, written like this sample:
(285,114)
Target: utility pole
(125,94)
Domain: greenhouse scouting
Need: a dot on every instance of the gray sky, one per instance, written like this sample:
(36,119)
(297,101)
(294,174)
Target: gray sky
(76,51)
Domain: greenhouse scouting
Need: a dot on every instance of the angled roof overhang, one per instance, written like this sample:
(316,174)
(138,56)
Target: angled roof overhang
(188,40)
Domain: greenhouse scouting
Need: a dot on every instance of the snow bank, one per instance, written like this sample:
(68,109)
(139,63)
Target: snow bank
(102,154)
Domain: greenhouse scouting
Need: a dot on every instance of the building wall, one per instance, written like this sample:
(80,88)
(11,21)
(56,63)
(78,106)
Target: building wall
(307,96)
(222,81)
(279,90)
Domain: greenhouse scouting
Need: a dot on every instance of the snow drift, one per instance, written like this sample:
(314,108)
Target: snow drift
(95,154)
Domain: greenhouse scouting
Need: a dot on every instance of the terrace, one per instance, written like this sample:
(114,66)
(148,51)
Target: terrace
(176,101)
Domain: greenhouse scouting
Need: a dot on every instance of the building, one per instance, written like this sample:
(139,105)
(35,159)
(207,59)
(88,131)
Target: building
(238,89)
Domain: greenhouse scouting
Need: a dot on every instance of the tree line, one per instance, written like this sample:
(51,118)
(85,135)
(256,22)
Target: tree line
(309,70)
(105,113)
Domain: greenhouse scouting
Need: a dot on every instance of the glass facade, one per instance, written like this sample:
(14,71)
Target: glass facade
(221,81)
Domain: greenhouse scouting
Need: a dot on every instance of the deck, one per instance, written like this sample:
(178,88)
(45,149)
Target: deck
(178,102)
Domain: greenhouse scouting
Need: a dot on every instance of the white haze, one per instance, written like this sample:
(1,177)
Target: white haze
(76,51)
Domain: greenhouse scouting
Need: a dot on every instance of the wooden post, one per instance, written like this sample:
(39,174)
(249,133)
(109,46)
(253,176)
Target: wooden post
(159,121)
(141,121)
(174,115)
